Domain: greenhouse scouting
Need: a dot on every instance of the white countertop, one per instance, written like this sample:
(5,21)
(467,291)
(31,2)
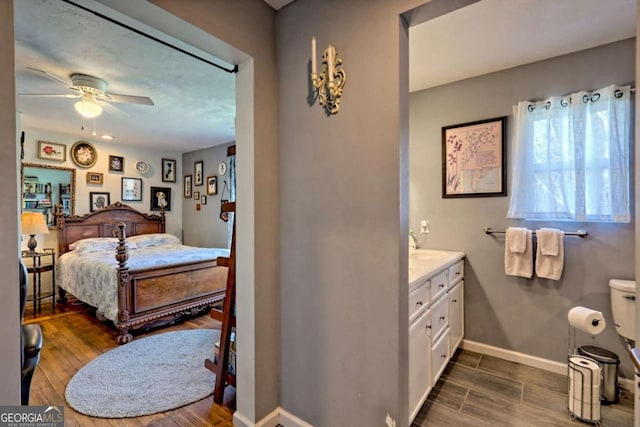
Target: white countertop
(424,262)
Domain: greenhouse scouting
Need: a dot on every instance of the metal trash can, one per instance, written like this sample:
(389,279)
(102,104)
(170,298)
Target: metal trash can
(609,362)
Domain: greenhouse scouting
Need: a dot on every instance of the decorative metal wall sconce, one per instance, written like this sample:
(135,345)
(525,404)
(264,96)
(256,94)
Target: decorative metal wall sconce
(331,80)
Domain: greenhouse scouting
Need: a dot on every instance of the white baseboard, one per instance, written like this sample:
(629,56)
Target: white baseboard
(277,417)
(514,356)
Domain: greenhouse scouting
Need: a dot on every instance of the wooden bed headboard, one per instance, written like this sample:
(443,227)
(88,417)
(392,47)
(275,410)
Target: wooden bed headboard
(103,223)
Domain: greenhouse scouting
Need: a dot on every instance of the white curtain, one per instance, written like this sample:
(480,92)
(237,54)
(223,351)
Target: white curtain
(572,156)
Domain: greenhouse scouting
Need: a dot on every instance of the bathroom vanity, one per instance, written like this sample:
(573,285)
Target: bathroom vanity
(436,318)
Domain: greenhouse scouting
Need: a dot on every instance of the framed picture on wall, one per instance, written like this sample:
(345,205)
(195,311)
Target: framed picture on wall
(203,200)
(196,195)
(473,159)
(187,186)
(168,170)
(98,200)
(52,151)
(94,178)
(211,185)
(131,189)
(116,164)
(159,196)
(197,173)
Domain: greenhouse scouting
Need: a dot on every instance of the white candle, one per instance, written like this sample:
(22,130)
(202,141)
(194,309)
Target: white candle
(330,53)
(313,55)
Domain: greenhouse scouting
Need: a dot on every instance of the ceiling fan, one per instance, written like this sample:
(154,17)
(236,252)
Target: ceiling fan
(92,92)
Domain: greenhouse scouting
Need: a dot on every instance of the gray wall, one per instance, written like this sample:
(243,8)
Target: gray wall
(343,222)
(527,316)
(9,245)
(204,228)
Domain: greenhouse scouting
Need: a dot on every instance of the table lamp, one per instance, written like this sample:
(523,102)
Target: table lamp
(33,223)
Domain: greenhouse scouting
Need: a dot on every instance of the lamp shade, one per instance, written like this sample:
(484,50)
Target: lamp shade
(33,223)
(88,107)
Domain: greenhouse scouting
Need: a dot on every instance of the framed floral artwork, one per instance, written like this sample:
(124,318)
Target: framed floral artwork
(474,159)
(52,151)
(84,154)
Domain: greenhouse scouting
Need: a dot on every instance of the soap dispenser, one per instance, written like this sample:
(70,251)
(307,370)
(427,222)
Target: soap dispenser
(413,242)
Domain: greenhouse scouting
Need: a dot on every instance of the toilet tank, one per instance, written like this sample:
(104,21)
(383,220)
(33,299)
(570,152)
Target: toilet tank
(623,306)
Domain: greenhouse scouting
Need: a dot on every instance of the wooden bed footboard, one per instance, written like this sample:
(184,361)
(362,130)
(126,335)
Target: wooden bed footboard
(150,294)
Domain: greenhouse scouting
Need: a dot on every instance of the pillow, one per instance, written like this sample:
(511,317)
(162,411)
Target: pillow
(154,239)
(94,244)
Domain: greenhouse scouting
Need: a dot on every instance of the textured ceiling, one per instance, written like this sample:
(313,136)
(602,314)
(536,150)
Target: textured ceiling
(194,101)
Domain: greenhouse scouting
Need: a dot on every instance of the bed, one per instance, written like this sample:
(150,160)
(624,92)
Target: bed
(113,259)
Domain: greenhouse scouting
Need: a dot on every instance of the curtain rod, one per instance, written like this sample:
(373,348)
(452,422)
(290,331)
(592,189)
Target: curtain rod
(579,233)
(149,36)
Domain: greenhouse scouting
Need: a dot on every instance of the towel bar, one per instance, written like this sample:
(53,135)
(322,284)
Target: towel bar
(579,233)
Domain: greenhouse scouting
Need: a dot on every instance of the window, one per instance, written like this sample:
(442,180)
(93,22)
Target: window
(572,157)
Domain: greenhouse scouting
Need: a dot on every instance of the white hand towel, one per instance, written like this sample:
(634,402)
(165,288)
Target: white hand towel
(516,239)
(548,241)
(550,266)
(519,264)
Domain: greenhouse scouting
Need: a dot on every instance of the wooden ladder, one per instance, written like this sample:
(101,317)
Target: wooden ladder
(227,316)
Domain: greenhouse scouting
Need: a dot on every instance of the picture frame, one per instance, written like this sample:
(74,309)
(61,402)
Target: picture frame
(187,186)
(131,189)
(196,195)
(474,159)
(98,200)
(168,170)
(95,178)
(159,193)
(52,151)
(198,168)
(212,188)
(84,154)
(203,200)
(116,163)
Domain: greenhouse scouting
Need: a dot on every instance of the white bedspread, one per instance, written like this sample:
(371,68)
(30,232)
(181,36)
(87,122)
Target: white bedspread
(92,277)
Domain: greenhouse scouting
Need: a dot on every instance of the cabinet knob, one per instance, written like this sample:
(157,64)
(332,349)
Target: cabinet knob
(428,326)
(444,356)
(419,303)
(441,317)
(454,301)
(441,285)
(457,273)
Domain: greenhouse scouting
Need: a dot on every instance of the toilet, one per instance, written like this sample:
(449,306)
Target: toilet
(623,306)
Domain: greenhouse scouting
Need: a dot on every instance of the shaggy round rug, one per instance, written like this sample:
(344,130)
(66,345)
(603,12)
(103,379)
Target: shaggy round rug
(146,376)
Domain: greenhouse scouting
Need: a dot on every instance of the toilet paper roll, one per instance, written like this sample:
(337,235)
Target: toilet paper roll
(584,410)
(587,320)
(584,380)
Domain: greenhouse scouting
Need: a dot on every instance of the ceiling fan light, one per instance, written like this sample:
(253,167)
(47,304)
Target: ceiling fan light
(88,109)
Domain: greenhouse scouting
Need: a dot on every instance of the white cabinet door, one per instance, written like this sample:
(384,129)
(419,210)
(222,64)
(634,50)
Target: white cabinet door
(419,362)
(456,315)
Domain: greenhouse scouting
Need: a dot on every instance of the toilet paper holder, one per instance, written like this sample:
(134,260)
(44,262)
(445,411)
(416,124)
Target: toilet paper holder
(582,406)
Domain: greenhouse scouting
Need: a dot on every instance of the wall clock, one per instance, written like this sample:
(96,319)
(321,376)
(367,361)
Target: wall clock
(84,154)
(222,168)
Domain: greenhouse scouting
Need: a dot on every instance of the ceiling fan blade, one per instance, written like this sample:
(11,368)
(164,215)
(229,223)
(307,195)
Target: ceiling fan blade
(129,99)
(112,109)
(51,95)
(50,76)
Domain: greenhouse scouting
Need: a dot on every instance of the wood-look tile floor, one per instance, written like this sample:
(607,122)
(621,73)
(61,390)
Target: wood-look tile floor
(483,391)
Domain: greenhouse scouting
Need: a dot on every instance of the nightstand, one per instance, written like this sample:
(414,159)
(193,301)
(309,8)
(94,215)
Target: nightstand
(41,262)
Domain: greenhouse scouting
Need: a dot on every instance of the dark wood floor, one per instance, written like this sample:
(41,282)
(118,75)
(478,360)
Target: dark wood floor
(73,337)
(483,391)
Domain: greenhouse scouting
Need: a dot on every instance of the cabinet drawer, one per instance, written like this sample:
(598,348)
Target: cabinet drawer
(439,356)
(456,272)
(440,316)
(438,285)
(418,299)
